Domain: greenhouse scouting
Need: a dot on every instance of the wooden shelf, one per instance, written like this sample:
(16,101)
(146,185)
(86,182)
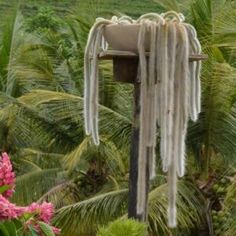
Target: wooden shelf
(114,54)
(125,63)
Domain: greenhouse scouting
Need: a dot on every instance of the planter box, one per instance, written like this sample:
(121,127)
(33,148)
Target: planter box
(124,37)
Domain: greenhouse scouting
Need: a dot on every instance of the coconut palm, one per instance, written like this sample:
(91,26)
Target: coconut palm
(214,133)
(41,126)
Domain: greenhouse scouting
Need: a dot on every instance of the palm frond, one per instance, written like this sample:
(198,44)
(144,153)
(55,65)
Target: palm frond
(32,185)
(214,133)
(85,216)
(60,195)
(229,203)
(43,160)
(114,159)
(190,207)
(169,5)
(34,128)
(68,109)
(230,198)
(216,125)
(9,43)
(106,207)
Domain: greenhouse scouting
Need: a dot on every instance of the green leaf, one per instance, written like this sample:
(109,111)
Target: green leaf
(4,188)
(40,181)
(47,230)
(11,228)
(3,230)
(8,228)
(17,223)
(85,216)
(32,230)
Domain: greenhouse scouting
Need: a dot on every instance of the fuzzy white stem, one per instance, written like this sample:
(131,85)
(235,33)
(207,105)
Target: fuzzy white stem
(89,55)
(170,92)
(142,158)
(158,78)
(170,101)
(163,68)
(151,91)
(95,87)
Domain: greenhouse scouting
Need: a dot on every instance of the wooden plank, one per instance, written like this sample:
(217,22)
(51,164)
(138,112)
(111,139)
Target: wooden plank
(111,54)
(125,69)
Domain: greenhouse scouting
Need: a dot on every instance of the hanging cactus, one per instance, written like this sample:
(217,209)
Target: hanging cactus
(170,93)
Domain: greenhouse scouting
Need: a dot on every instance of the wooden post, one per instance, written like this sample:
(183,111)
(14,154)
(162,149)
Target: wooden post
(125,66)
(133,175)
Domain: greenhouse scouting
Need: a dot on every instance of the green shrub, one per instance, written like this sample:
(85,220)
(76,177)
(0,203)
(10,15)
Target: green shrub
(125,227)
(43,20)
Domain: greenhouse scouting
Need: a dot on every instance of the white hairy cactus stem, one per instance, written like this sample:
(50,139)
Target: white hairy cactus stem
(170,93)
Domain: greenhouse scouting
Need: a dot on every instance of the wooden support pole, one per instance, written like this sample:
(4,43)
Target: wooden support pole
(125,66)
(133,173)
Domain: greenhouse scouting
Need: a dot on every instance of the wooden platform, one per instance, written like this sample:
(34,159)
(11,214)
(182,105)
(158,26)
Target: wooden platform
(110,54)
(125,64)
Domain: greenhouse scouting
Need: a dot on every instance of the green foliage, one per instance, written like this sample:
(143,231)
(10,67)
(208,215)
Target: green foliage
(222,208)
(127,227)
(215,132)
(190,205)
(4,188)
(18,228)
(229,211)
(46,229)
(8,228)
(44,20)
(101,209)
(40,181)
(85,216)
(220,221)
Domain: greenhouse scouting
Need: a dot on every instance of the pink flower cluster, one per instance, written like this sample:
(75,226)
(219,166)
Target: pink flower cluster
(8,211)
(44,211)
(37,227)
(7,176)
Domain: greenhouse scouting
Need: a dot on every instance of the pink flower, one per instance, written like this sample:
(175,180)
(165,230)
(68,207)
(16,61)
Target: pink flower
(47,211)
(37,228)
(56,230)
(7,176)
(9,210)
(44,211)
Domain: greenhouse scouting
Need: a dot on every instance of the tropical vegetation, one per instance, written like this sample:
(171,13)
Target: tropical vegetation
(41,121)
(17,220)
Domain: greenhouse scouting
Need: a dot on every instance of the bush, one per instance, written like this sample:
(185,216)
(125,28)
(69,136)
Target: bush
(45,19)
(125,227)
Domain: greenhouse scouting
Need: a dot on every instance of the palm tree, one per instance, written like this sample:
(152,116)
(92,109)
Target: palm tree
(45,127)
(214,133)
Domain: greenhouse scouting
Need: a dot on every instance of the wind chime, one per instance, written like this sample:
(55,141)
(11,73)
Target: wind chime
(170,89)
